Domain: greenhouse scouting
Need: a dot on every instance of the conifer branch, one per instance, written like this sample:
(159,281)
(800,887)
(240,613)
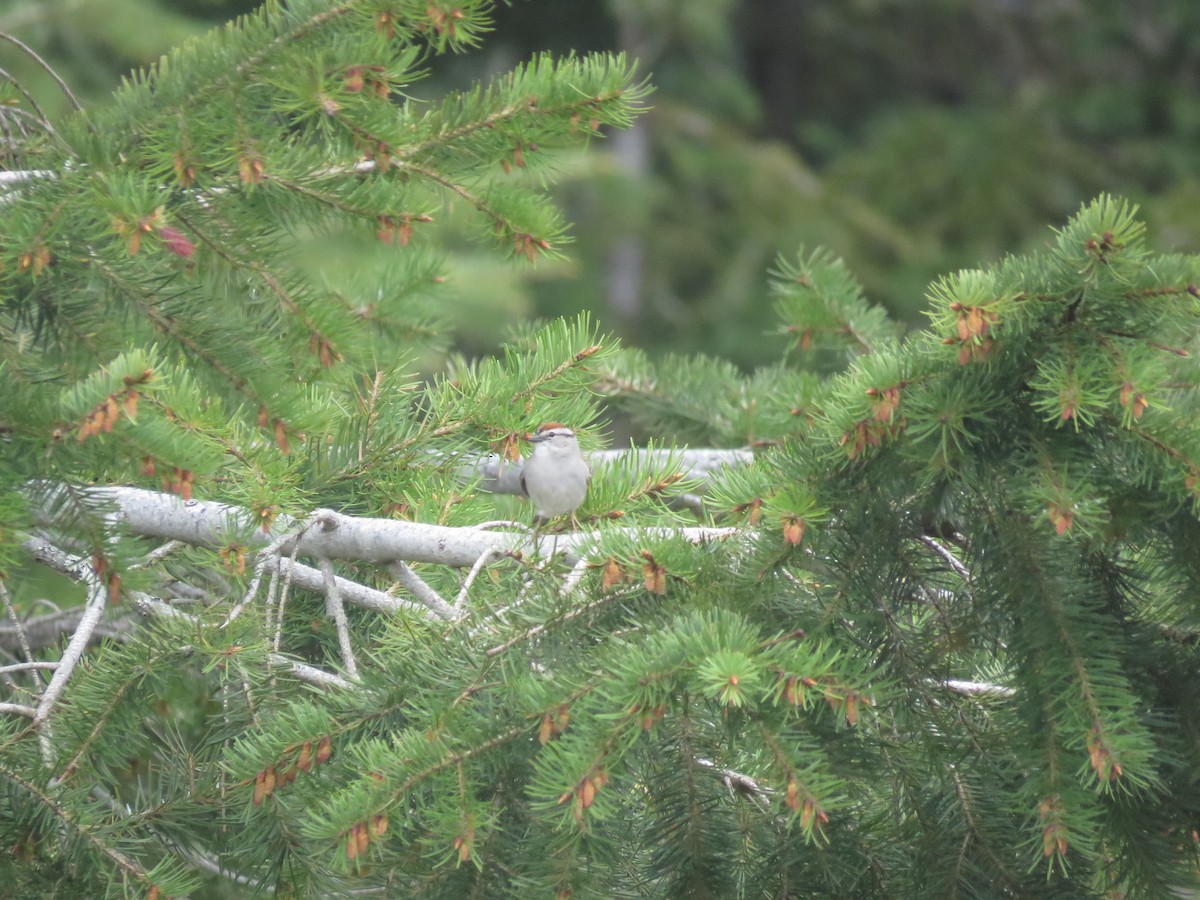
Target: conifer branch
(170,328)
(259,270)
(457,757)
(700,662)
(278,594)
(84,627)
(974,831)
(530,633)
(63,814)
(333,202)
(284,39)
(101,717)
(474,126)
(199,859)
(38,115)
(302,671)
(477,201)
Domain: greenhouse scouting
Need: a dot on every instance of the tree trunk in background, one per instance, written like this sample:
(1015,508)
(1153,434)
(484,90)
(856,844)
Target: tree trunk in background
(626,262)
(631,151)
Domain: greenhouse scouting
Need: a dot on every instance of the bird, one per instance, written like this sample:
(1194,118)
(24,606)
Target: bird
(556,475)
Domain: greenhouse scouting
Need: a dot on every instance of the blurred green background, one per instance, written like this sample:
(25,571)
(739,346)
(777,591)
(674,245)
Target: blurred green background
(909,138)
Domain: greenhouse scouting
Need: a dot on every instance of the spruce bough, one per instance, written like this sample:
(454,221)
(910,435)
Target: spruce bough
(937,639)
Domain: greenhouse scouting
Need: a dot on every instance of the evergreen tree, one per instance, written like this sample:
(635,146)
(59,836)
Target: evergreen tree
(934,636)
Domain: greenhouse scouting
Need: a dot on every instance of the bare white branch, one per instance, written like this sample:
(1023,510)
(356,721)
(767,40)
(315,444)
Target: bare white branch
(382,541)
(947,554)
(9,179)
(93,609)
(738,783)
(508,524)
(158,554)
(264,559)
(153,606)
(45,631)
(337,612)
(311,674)
(978,688)
(422,591)
(575,576)
(501,476)
(326,536)
(484,558)
(27,666)
(351,591)
(84,625)
(333,535)
(285,591)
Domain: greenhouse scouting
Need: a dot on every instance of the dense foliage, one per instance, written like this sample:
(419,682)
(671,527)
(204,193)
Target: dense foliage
(937,639)
(911,139)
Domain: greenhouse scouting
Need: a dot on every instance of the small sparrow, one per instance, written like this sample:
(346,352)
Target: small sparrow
(556,475)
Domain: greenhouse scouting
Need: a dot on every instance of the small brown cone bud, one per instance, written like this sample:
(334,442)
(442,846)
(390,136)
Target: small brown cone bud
(324,749)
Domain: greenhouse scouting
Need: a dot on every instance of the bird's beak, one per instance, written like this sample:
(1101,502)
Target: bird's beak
(535,438)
